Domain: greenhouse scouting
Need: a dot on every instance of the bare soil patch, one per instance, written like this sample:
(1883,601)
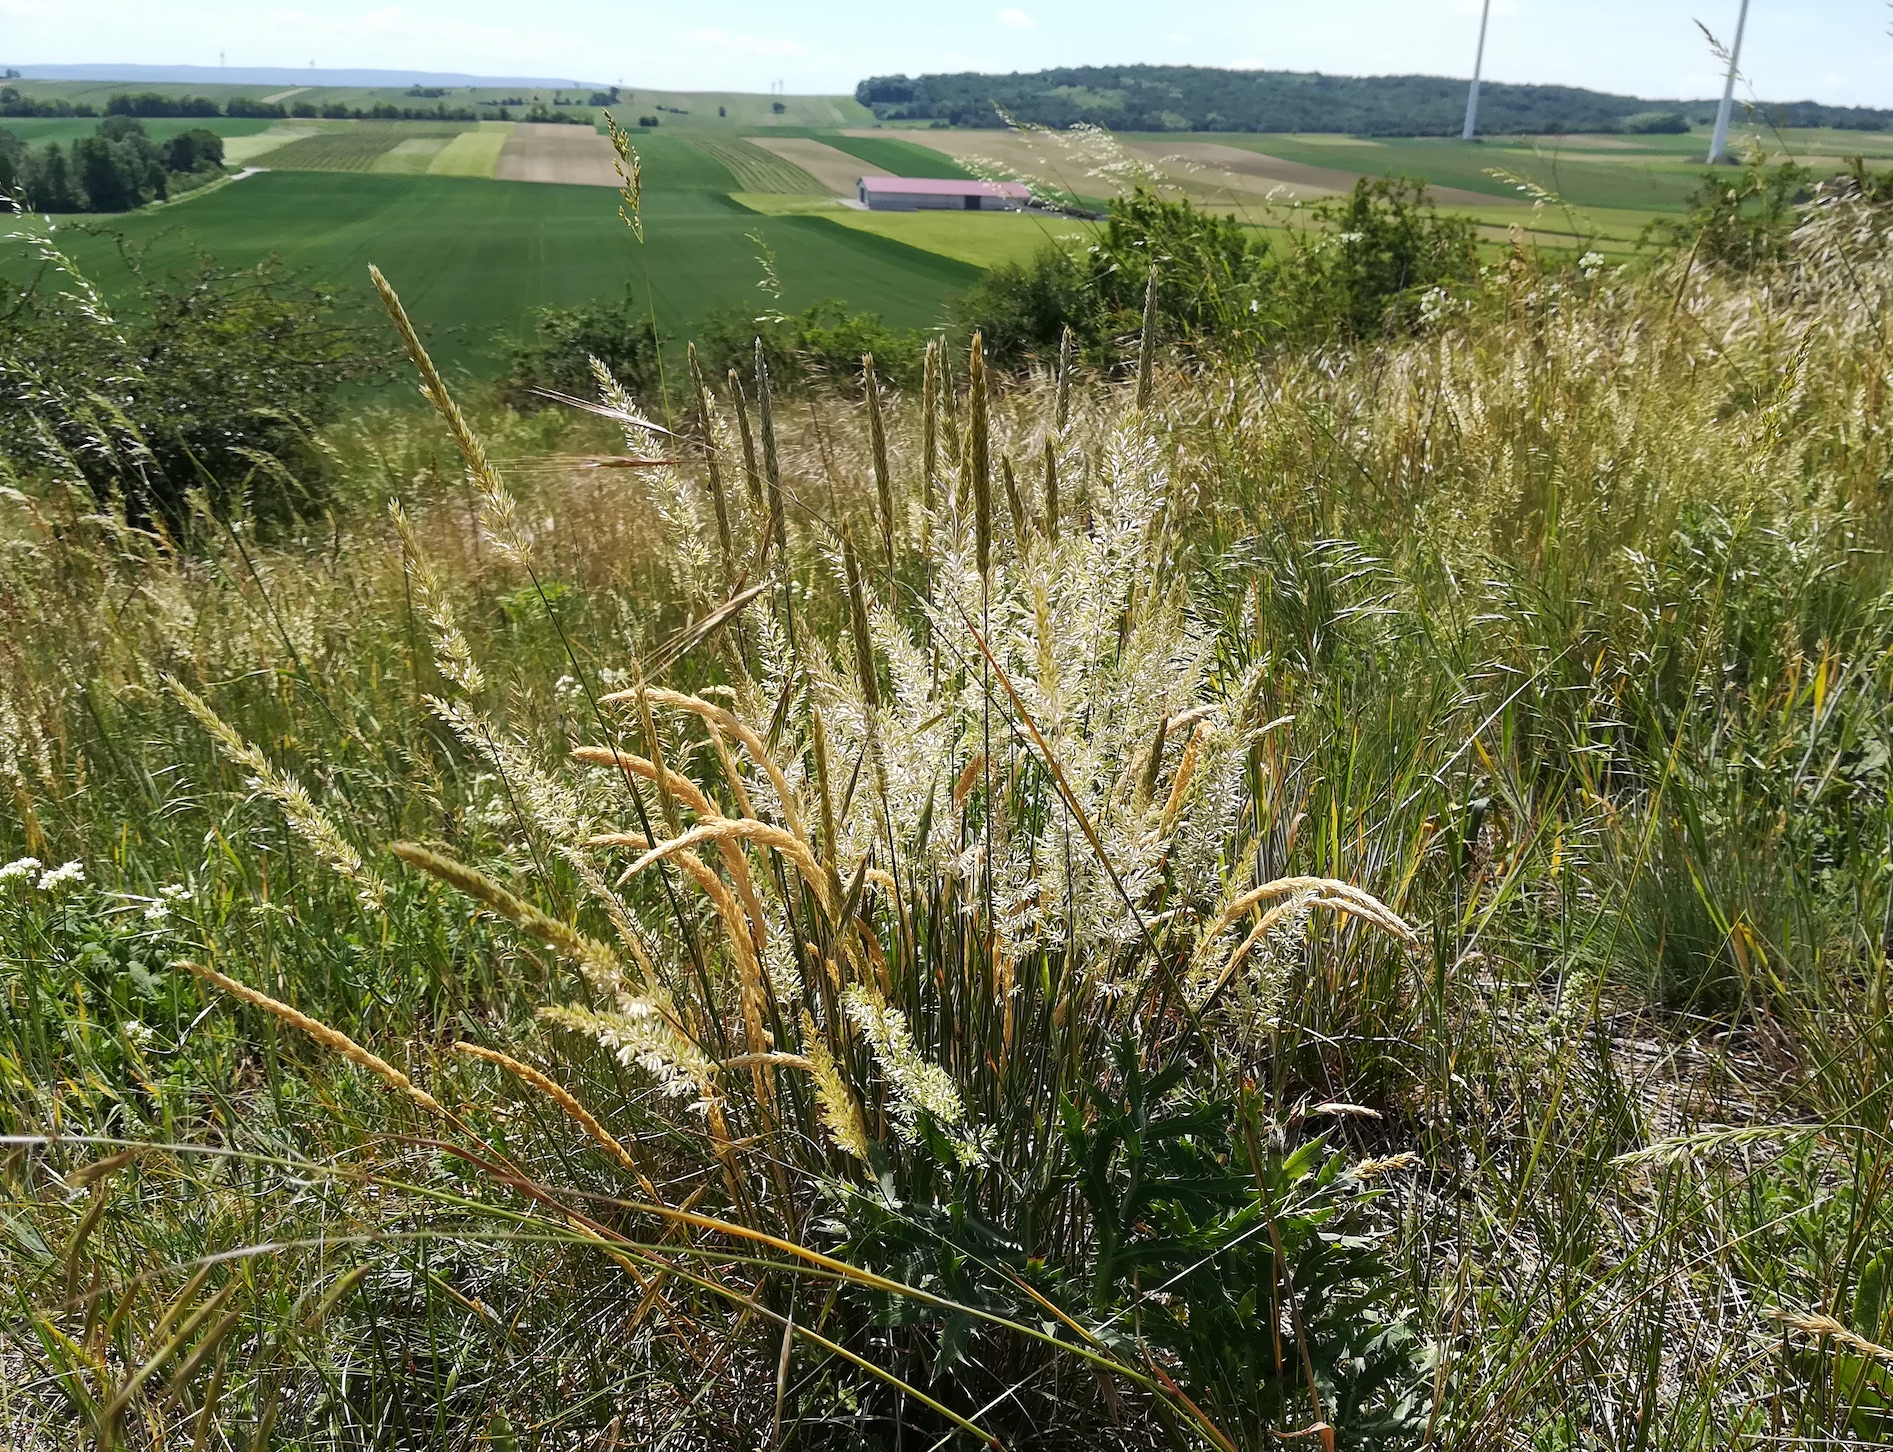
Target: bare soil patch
(571,155)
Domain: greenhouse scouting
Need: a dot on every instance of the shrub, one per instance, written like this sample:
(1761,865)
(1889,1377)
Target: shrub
(558,352)
(823,344)
(1741,222)
(203,381)
(1357,272)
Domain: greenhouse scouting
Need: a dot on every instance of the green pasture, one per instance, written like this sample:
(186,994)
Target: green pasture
(38,130)
(979,239)
(472,257)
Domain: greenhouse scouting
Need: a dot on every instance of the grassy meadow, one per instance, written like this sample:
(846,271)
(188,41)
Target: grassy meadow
(474,256)
(1333,895)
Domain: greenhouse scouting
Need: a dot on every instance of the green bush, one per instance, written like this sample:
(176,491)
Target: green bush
(1358,271)
(824,344)
(201,382)
(557,355)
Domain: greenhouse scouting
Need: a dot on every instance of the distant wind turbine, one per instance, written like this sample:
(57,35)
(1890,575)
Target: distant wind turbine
(1719,145)
(1478,65)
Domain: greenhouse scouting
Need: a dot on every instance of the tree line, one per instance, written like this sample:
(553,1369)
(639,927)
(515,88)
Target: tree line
(1207,98)
(117,168)
(14,103)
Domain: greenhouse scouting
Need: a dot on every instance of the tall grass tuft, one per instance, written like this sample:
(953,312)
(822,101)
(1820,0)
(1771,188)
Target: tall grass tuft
(1353,912)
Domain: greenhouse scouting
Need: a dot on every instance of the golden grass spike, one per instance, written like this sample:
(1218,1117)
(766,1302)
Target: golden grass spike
(654,744)
(1813,1323)
(329,1038)
(706,433)
(877,453)
(569,1105)
(1186,770)
(978,453)
(1147,342)
(499,514)
(730,773)
(629,762)
(841,1111)
(588,953)
(724,829)
(691,796)
(752,743)
(1360,903)
(751,476)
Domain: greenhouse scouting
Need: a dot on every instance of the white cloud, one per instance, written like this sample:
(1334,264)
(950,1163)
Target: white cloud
(1179,37)
(745,44)
(1016,20)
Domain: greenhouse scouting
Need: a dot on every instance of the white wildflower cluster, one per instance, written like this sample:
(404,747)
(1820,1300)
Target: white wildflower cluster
(71,874)
(21,869)
(158,909)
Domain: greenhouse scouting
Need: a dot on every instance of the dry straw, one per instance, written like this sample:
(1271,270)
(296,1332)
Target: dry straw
(329,1038)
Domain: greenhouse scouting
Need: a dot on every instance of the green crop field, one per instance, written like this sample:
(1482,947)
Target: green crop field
(472,257)
(359,145)
(38,130)
(751,169)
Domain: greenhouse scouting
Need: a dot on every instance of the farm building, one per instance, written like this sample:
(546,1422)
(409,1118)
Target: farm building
(916,194)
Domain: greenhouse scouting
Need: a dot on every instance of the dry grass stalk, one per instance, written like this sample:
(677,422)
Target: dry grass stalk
(752,743)
(724,829)
(499,513)
(329,1038)
(712,468)
(587,953)
(1813,1323)
(569,1105)
(1360,903)
(307,820)
(978,453)
(877,454)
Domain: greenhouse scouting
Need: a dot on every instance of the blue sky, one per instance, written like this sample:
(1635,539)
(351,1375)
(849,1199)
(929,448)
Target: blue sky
(1829,50)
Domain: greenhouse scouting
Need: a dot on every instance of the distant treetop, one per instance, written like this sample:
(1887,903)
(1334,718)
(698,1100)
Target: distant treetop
(1203,98)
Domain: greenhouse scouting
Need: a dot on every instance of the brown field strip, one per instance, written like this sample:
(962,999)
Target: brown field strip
(835,170)
(572,155)
(1203,170)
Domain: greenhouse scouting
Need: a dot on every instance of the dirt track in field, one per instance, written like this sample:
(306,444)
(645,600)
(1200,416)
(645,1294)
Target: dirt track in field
(572,155)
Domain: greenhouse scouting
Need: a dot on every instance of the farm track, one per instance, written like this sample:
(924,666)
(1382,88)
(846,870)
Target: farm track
(567,155)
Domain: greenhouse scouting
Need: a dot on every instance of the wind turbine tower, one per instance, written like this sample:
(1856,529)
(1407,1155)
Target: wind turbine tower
(1719,146)
(1478,65)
